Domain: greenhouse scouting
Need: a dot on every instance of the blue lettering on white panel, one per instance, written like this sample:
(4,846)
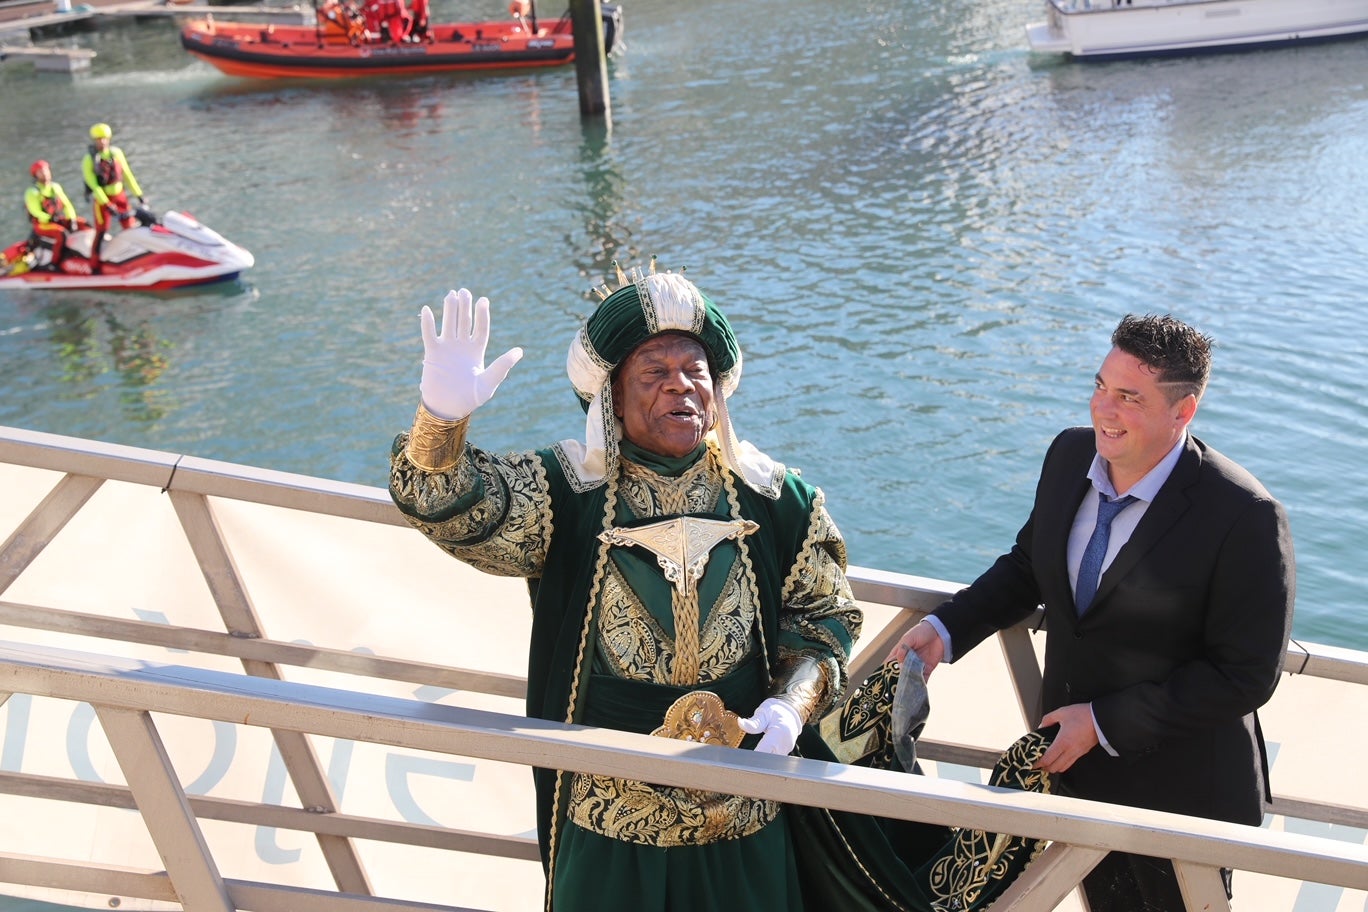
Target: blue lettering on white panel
(78,751)
(338,767)
(1313,897)
(398,768)
(225,746)
(78,743)
(157,617)
(430,693)
(16,732)
(273,792)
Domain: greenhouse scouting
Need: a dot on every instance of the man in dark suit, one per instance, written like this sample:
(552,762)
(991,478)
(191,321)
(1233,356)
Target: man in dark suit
(1153,671)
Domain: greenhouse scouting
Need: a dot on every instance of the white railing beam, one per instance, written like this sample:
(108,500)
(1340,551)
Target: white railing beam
(1081,836)
(90,877)
(251,813)
(1050,877)
(277,898)
(213,642)
(86,877)
(32,535)
(532,742)
(301,761)
(1024,670)
(1202,887)
(220,571)
(175,832)
(73,456)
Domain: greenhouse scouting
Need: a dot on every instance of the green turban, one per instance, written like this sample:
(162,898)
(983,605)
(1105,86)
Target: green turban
(645,306)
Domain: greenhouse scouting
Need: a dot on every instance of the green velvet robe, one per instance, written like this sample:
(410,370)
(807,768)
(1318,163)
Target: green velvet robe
(521,515)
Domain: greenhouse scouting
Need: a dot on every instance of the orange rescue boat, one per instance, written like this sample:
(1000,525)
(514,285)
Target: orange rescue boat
(384,38)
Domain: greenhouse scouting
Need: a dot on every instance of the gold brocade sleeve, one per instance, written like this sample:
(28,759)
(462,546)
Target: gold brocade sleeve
(491,512)
(819,617)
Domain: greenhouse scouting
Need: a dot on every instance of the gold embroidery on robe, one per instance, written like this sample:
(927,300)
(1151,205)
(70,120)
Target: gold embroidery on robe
(635,646)
(507,532)
(861,730)
(638,648)
(817,590)
(977,857)
(663,815)
(647,494)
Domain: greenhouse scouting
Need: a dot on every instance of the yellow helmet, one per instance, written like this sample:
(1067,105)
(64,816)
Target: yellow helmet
(101,131)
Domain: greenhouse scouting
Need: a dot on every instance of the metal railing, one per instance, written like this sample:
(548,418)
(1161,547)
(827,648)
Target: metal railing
(124,693)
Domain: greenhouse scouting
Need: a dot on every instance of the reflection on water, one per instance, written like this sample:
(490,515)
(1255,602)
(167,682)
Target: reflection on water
(922,233)
(88,345)
(102,348)
(607,236)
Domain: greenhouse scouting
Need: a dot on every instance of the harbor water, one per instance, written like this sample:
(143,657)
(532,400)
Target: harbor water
(922,233)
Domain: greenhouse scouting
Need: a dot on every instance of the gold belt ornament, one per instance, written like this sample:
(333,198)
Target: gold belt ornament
(701,716)
(682,546)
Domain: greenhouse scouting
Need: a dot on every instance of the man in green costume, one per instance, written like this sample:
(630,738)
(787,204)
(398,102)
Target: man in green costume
(664,558)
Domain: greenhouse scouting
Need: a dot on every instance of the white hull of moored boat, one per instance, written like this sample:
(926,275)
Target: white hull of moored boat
(1129,28)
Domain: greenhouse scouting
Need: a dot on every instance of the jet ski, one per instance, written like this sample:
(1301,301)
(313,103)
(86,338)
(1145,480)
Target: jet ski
(159,252)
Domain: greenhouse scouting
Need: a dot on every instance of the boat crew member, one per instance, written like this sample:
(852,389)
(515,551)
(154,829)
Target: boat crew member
(49,210)
(106,172)
(626,628)
(397,20)
(387,20)
(345,18)
(1167,576)
(418,29)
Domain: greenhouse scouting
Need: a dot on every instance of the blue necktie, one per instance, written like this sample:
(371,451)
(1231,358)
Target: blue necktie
(1090,567)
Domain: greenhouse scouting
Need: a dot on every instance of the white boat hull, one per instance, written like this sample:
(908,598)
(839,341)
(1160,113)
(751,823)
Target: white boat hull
(1097,28)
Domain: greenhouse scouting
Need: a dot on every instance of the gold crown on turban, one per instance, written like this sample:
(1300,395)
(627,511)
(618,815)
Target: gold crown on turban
(626,278)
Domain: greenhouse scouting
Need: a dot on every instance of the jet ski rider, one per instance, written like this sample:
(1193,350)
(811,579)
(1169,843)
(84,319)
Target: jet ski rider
(50,211)
(106,171)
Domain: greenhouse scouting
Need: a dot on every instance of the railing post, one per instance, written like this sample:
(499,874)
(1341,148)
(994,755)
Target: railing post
(47,519)
(165,809)
(1202,887)
(240,618)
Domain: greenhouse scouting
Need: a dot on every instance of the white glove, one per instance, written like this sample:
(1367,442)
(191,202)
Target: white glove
(779,722)
(455,380)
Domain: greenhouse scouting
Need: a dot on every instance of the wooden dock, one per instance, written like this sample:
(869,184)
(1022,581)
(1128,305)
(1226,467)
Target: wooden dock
(52,59)
(34,24)
(290,14)
(17,35)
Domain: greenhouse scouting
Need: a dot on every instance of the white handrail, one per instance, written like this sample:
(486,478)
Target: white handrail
(199,490)
(129,690)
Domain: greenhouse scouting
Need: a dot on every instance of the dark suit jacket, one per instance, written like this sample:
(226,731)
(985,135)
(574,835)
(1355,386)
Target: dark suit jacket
(1184,640)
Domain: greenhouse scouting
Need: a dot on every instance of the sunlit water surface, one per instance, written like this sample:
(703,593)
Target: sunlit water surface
(922,233)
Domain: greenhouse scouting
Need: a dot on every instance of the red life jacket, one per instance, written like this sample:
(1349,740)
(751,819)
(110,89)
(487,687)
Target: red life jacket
(107,170)
(51,205)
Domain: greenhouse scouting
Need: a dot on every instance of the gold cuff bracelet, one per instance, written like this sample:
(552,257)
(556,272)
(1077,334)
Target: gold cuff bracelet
(435,444)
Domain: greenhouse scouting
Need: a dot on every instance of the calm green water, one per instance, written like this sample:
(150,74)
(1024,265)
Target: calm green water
(923,234)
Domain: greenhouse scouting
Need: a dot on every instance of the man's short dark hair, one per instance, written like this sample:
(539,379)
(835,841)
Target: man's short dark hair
(1177,352)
